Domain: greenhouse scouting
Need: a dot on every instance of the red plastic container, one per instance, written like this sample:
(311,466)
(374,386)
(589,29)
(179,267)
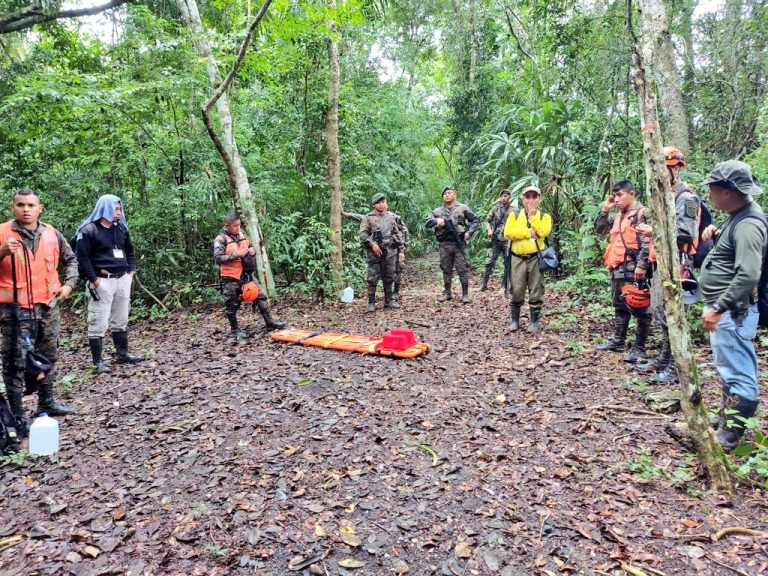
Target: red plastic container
(398,339)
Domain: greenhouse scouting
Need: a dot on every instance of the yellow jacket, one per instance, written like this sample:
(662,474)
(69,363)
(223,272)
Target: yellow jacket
(516,230)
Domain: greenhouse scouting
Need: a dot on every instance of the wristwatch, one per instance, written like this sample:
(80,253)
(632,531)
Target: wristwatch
(718,308)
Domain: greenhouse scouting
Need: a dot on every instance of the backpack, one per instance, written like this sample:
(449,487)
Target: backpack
(762,286)
(705,246)
(9,440)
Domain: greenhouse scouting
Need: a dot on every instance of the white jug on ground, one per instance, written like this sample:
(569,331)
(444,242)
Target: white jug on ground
(44,436)
(347,295)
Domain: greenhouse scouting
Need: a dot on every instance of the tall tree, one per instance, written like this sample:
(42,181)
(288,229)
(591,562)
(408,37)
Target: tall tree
(239,186)
(653,25)
(332,139)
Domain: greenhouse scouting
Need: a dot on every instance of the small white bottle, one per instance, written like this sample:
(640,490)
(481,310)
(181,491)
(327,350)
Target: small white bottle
(44,436)
(347,295)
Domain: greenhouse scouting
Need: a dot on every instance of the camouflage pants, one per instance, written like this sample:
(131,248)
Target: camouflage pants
(617,283)
(231,289)
(527,276)
(381,267)
(451,255)
(399,269)
(44,335)
(497,248)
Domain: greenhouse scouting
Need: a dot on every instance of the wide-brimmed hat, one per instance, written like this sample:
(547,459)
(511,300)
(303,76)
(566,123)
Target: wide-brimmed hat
(736,173)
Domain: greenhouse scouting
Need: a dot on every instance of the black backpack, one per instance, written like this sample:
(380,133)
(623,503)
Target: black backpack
(9,440)
(705,246)
(762,287)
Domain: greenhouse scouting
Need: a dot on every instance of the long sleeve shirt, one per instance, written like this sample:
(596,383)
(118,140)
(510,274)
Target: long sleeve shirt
(462,217)
(108,249)
(518,231)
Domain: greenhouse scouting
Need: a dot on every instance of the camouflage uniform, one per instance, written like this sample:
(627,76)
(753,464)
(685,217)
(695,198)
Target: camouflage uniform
(41,323)
(382,229)
(495,222)
(453,252)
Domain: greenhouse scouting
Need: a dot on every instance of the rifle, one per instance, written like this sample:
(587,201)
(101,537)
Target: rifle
(451,229)
(506,283)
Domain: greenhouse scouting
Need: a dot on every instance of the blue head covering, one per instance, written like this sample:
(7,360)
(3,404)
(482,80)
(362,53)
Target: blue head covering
(105,208)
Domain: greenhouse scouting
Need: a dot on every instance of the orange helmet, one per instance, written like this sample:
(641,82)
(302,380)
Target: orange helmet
(636,296)
(674,156)
(250,291)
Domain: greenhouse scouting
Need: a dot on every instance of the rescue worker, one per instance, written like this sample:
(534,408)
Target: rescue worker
(629,257)
(729,277)
(687,214)
(404,243)
(41,258)
(233,253)
(494,230)
(379,234)
(454,225)
(527,231)
(107,261)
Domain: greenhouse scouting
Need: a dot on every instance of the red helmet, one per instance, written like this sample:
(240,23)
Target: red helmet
(674,156)
(636,296)
(250,291)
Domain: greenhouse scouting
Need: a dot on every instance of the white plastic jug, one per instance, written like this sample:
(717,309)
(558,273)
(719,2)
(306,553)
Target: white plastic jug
(347,295)
(44,436)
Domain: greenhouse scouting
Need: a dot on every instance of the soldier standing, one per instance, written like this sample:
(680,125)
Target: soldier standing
(454,225)
(494,230)
(379,234)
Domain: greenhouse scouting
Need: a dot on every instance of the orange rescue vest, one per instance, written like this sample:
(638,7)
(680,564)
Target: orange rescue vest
(622,236)
(43,265)
(233,268)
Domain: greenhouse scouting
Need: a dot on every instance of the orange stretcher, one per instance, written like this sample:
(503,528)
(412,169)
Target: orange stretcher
(397,343)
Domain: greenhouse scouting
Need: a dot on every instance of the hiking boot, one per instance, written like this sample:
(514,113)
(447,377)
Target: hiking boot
(371,308)
(641,337)
(620,327)
(240,334)
(533,325)
(45,403)
(96,345)
(514,316)
(737,409)
(484,283)
(16,405)
(446,295)
(465,294)
(120,338)
(391,304)
(269,322)
(662,359)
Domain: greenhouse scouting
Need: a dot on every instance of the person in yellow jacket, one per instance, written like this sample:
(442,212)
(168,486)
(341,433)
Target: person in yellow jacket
(527,231)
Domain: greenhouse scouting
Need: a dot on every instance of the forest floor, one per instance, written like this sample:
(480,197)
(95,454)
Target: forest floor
(497,453)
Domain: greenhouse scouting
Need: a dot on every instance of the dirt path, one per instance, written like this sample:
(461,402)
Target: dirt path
(496,454)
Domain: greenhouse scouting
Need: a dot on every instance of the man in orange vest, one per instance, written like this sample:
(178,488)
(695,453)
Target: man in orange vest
(629,258)
(234,254)
(687,215)
(32,255)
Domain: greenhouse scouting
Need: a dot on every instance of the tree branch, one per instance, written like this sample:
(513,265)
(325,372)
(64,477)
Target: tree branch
(34,13)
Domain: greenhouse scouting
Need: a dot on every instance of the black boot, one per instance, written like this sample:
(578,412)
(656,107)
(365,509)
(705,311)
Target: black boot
(620,327)
(237,334)
(97,349)
(736,409)
(396,291)
(533,325)
(120,338)
(265,313)
(45,403)
(465,293)
(668,373)
(17,407)
(514,316)
(486,277)
(641,337)
(388,301)
(446,295)
(662,360)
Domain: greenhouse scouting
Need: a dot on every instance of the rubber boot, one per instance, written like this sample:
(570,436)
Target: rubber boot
(388,301)
(17,407)
(97,348)
(641,337)
(533,325)
(446,295)
(662,360)
(237,334)
(736,409)
(465,293)
(486,277)
(514,316)
(620,327)
(396,291)
(120,338)
(266,314)
(45,401)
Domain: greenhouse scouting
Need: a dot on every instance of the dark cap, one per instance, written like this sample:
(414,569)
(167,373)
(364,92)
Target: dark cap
(378,197)
(505,191)
(738,175)
(448,188)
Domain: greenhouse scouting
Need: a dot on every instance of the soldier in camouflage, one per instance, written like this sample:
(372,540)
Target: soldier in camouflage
(380,235)
(41,257)
(494,230)
(454,224)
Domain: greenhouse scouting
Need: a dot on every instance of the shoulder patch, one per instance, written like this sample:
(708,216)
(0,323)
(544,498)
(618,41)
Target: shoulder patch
(691,208)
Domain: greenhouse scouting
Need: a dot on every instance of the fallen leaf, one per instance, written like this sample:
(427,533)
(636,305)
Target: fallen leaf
(463,550)
(319,531)
(351,563)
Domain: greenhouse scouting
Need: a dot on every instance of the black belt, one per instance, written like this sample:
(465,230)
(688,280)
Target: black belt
(524,256)
(105,274)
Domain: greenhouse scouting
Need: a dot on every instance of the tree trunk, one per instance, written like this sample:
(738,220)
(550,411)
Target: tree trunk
(334,156)
(672,104)
(240,188)
(473,42)
(665,239)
